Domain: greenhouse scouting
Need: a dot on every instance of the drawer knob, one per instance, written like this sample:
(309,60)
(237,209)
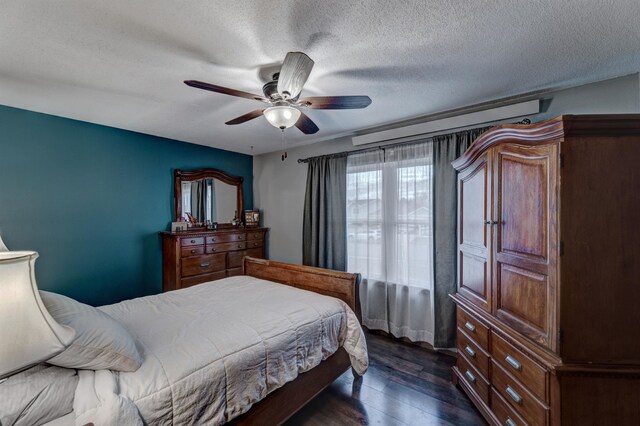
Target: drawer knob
(514,395)
(193,241)
(470,326)
(204,264)
(513,362)
(193,251)
(510,422)
(213,238)
(213,249)
(470,351)
(239,245)
(470,376)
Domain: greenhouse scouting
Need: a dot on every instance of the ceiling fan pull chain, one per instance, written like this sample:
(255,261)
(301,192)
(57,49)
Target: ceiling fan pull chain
(284,153)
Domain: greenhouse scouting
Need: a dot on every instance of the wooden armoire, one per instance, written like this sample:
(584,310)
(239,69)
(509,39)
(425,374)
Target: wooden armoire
(548,291)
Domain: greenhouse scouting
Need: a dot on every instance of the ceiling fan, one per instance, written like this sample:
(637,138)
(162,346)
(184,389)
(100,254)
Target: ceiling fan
(283,93)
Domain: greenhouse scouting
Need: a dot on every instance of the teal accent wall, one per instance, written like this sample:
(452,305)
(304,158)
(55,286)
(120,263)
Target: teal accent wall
(91,200)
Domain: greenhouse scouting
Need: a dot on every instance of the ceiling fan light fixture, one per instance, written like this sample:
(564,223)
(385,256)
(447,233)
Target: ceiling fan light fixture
(282,117)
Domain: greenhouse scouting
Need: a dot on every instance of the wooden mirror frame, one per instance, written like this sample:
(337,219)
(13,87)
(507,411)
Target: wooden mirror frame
(180,176)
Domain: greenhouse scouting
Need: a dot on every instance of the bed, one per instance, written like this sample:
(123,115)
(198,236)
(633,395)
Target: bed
(244,349)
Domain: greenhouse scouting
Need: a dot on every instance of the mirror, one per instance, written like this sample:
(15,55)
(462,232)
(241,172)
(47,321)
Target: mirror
(208,195)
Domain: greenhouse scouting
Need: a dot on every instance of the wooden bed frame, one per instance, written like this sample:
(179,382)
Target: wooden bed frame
(282,403)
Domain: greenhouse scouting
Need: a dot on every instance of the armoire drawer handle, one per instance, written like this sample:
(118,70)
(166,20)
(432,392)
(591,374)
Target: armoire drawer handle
(491,222)
(204,264)
(239,245)
(193,251)
(193,241)
(470,326)
(470,351)
(470,376)
(213,249)
(513,362)
(510,422)
(514,395)
(213,239)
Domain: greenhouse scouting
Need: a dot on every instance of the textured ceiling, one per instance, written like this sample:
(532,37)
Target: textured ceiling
(121,63)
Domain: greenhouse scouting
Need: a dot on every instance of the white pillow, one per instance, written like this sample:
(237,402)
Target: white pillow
(36,396)
(101,342)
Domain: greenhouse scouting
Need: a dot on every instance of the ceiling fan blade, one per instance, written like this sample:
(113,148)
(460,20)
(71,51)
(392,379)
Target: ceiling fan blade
(224,90)
(294,73)
(305,124)
(243,118)
(335,102)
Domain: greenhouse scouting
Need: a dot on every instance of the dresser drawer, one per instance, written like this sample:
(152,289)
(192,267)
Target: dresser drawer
(191,251)
(478,332)
(255,252)
(503,411)
(477,356)
(203,264)
(234,271)
(255,243)
(199,279)
(222,247)
(226,237)
(518,397)
(520,366)
(473,378)
(193,241)
(255,235)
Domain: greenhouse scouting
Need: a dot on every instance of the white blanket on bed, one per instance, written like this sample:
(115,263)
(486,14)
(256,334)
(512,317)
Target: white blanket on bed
(214,349)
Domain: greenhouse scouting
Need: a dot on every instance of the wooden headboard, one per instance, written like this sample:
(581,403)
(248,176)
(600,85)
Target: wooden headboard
(341,285)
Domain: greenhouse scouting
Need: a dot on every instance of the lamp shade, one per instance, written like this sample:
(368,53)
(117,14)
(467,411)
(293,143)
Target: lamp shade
(282,117)
(28,333)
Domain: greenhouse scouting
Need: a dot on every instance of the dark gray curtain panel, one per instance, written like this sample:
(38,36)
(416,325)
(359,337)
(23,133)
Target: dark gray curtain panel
(324,234)
(446,148)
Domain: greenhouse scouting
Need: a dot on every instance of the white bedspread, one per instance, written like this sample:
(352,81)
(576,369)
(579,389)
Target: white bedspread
(213,350)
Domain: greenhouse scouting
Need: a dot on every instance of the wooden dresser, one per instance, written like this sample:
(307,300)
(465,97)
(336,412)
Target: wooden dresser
(190,258)
(548,296)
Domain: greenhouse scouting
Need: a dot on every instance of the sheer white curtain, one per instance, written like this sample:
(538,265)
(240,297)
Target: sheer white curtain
(390,238)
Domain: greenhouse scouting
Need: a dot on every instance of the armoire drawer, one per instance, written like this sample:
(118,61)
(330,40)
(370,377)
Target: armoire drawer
(518,397)
(477,356)
(520,366)
(203,264)
(473,378)
(503,411)
(474,328)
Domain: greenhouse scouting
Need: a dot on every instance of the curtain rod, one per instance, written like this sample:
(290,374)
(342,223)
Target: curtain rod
(389,145)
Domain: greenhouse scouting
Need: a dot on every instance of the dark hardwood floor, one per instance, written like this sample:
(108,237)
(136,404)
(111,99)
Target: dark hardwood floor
(405,385)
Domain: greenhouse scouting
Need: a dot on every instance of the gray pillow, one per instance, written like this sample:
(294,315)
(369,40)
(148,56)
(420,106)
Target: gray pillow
(36,396)
(101,342)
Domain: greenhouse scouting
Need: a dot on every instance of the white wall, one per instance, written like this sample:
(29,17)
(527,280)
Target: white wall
(279,186)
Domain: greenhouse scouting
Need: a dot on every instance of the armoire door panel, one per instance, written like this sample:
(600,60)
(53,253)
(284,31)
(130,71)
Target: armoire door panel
(474,234)
(473,231)
(525,240)
(523,206)
(523,297)
(474,279)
